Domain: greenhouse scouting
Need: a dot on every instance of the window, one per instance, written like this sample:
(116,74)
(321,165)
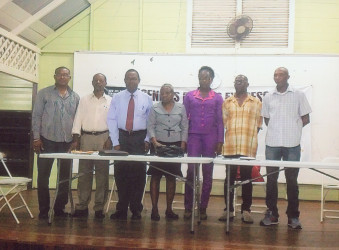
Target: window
(272,26)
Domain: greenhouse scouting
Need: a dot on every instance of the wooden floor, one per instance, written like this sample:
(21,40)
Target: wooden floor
(74,233)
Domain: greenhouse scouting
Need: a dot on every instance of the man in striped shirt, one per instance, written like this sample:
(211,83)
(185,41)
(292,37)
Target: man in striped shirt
(242,121)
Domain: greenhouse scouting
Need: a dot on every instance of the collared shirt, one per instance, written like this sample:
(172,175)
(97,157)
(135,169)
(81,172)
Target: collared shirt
(117,114)
(168,126)
(241,124)
(91,115)
(284,111)
(53,115)
(204,114)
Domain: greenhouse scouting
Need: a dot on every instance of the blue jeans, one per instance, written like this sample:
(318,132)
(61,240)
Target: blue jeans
(291,175)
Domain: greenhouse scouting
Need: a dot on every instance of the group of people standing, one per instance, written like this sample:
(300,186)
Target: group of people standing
(129,122)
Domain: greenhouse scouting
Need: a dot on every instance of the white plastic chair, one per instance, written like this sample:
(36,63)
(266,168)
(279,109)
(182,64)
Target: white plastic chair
(15,185)
(328,187)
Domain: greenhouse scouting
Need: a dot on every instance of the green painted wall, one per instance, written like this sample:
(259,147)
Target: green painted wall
(316,26)
(160,26)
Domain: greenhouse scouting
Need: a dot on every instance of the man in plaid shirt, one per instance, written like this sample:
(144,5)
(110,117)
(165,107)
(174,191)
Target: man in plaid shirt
(242,121)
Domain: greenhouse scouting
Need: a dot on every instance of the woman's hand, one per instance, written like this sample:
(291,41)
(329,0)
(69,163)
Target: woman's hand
(218,148)
(183,146)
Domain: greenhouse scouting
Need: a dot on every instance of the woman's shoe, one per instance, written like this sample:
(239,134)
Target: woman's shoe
(203,215)
(187,214)
(155,216)
(171,216)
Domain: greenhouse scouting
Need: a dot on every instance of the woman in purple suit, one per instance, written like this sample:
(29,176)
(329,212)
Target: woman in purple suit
(205,135)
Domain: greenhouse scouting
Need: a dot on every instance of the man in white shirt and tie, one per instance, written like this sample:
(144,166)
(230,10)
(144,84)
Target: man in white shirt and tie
(127,123)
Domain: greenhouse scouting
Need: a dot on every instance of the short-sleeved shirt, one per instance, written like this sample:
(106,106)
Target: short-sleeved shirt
(284,111)
(53,115)
(91,115)
(241,124)
(168,126)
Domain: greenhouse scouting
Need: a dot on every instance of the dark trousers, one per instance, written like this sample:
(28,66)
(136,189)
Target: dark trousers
(44,172)
(291,175)
(130,177)
(246,193)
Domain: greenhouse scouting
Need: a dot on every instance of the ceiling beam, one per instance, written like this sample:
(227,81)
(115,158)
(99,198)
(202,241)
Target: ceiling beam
(37,16)
(4,2)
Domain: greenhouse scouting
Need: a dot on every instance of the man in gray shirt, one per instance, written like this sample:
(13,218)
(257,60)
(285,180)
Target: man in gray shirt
(52,122)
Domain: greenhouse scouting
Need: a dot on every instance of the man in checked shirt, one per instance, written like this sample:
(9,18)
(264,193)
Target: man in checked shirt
(242,121)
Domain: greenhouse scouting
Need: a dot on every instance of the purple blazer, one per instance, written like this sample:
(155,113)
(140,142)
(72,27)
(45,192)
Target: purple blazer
(204,114)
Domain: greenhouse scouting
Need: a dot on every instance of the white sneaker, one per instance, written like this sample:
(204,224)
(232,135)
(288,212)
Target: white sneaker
(224,216)
(247,217)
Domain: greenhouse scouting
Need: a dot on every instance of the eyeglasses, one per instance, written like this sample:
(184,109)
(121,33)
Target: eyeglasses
(63,75)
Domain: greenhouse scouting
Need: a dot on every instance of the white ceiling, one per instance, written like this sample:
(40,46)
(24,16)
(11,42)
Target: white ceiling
(34,20)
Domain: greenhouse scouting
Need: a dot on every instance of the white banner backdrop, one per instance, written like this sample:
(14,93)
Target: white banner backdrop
(259,92)
(181,70)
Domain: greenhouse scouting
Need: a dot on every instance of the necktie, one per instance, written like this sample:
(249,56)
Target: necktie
(130,114)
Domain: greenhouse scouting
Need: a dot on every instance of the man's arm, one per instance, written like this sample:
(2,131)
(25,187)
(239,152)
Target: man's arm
(266,120)
(220,126)
(112,124)
(77,125)
(259,117)
(36,122)
(224,114)
(148,110)
(305,119)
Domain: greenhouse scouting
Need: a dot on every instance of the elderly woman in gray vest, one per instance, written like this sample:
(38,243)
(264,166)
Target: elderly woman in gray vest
(167,125)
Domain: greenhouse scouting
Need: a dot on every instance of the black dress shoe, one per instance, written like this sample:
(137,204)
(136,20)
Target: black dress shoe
(60,213)
(171,216)
(155,216)
(99,214)
(119,215)
(80,213)
(136,216)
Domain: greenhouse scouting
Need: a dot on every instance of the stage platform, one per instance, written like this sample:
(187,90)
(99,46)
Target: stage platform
(74,233)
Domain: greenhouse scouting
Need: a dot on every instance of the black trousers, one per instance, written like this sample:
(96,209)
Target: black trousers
(130,177)
(44,172)
(246,193)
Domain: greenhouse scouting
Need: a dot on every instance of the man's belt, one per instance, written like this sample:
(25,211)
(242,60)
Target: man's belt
(132,132)
(94,132)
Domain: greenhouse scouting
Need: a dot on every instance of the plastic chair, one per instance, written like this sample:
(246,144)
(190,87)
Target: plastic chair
(15,185)
(327,188)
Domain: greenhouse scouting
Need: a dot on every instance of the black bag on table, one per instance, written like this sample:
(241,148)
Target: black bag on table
(170,151)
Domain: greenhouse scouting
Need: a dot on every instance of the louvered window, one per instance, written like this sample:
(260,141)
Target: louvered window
(272,26)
